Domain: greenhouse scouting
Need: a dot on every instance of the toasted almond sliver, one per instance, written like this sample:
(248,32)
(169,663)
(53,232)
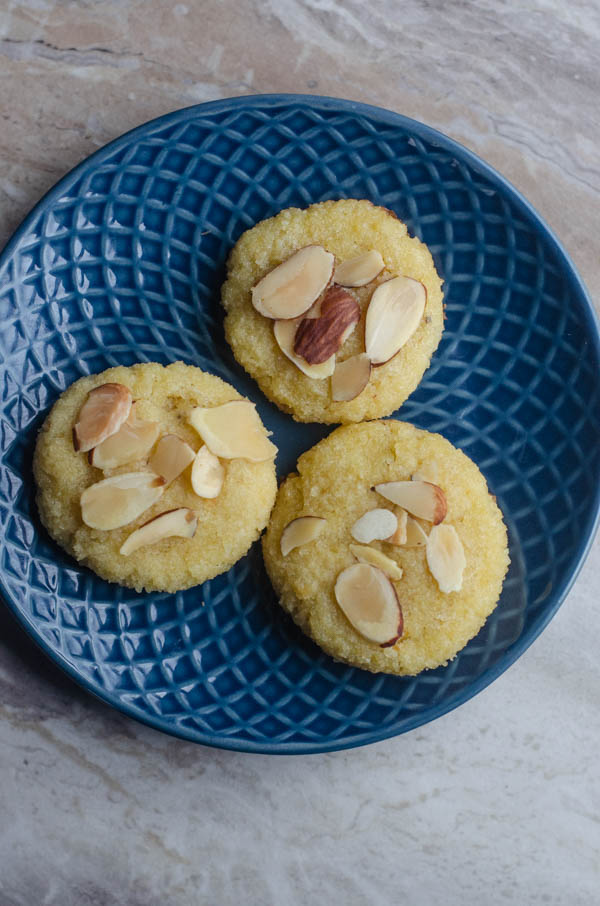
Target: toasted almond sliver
(415,534)
(208,474)
(233,431)
(132,442)
(393,315)
(317,339)
(350,378)
(285,334)
(170,457)
(348,333)
(118,500)
(376,558)
(370,603)
(360,270)
(427,472)
(102,414)
(181,523)
(300,531)
(374,525)
(132,418)
(420,498)
(446,558)
(399,536)
(290,289)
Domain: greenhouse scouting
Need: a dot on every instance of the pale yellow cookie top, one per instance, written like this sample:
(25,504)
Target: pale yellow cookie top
(334,481)
(227,524)
(346,228)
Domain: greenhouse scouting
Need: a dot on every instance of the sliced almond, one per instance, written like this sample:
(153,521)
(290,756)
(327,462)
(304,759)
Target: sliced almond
(290,289)
(317,339)
(360,270)
(348,332)
(376,558)
(350,378)
(369,601)
(399,536)
(393,315)
(132,417)
(300,531)
(102,414)
(180,523)
(233,431)
(375,525)
(285,335)
(427,472)
(132,442)
(415,534)
(115,501)
(420,498)
(171,456)
(446,557)
(208,474)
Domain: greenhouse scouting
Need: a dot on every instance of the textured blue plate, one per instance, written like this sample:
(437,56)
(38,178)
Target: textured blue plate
(122,261)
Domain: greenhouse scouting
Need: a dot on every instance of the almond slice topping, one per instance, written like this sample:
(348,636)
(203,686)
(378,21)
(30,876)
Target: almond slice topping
(319,338)
(171,456)
(300,531)
(360,270)
(446,558)
(285,335)
(399,536)
(132,442)
(393,315)
(350,378)
(290,289)
(377,558)
(369,601)
(102,414)
(118,500)
(375,525)
(415,534)
(207,474)
(233,431)
(180,523)
(420,498)
(427,472)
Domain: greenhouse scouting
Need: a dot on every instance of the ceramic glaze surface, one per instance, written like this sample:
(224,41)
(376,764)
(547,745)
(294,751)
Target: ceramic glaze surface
(122,262)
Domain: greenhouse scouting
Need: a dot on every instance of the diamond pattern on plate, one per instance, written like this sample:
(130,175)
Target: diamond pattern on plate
(123,262)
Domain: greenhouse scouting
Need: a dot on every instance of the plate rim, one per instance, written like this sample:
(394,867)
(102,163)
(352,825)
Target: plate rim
(520,645)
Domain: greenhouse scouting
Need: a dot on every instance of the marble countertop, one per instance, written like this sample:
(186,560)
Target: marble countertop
(497,802)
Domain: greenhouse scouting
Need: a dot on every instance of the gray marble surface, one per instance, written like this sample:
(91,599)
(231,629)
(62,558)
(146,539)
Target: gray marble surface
(496,803)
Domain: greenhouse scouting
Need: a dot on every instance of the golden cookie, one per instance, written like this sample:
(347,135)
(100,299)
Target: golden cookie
(335,481)
(347,228)
(225,524)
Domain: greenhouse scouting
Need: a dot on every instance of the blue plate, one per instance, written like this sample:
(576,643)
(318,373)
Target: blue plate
(122,261)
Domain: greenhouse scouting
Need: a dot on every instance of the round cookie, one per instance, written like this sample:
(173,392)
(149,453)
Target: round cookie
(346,228)
(227,525)
(334,481)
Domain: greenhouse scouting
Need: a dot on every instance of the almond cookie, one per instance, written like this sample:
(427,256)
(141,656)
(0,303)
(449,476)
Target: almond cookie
(155,477)
(335,310)
(386,547)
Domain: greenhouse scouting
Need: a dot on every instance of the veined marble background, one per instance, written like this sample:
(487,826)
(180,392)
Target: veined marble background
(495,803)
